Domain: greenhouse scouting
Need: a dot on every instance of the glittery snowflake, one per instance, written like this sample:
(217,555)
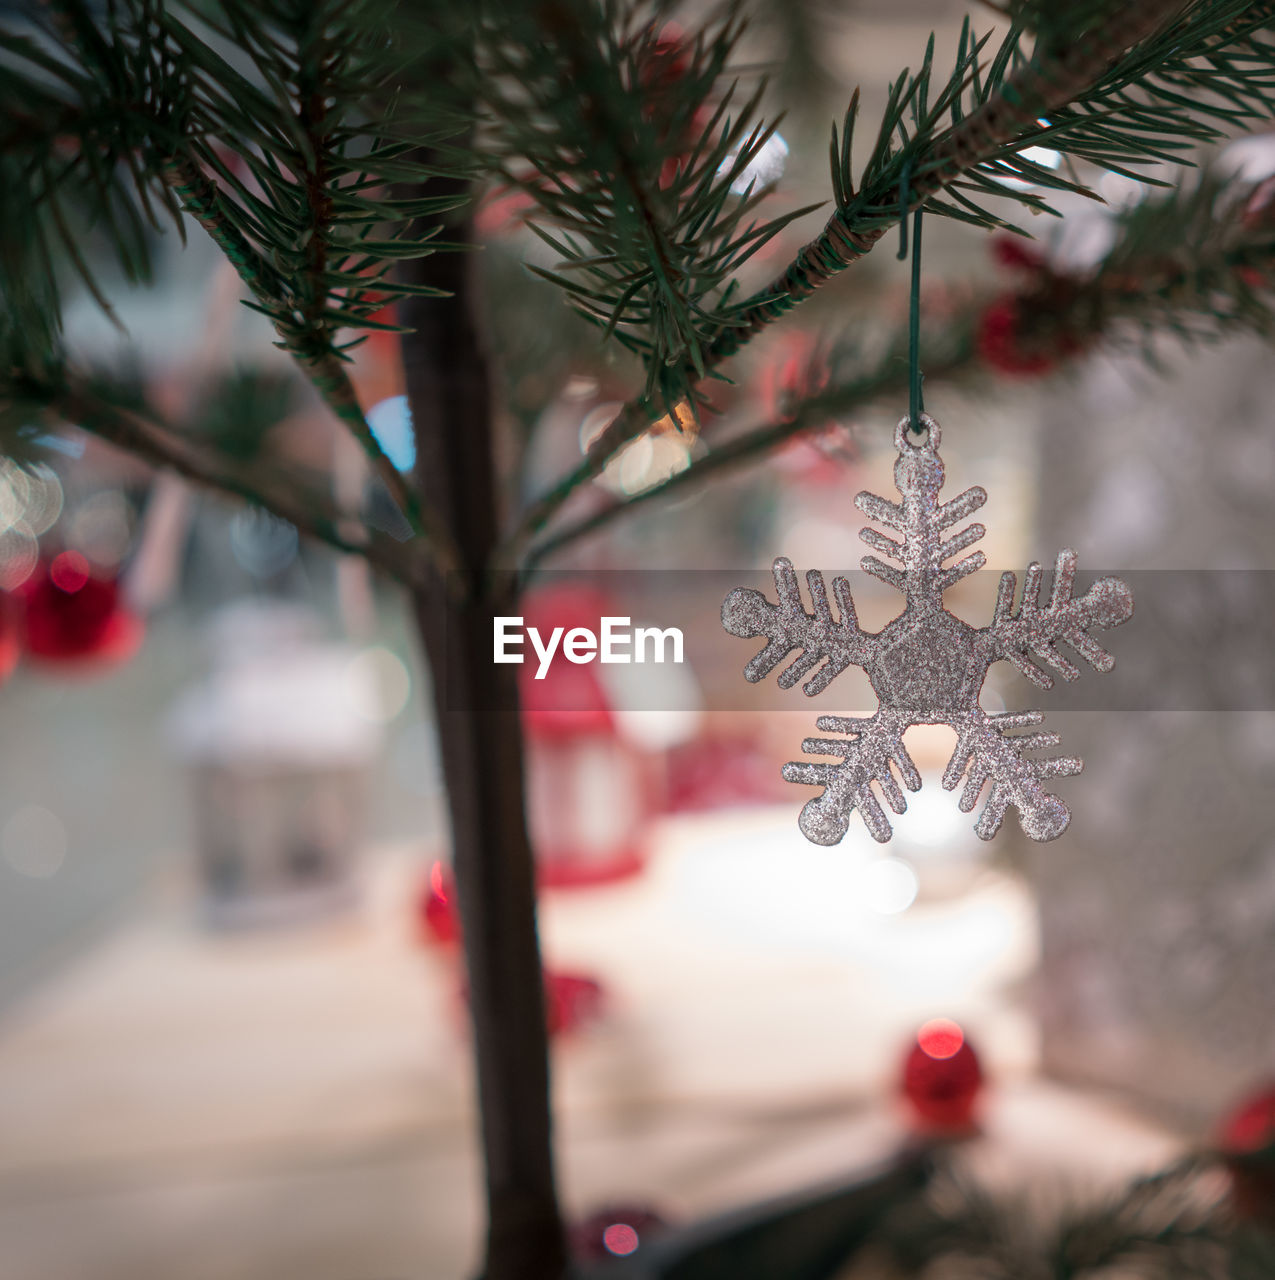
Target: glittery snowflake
(927,666)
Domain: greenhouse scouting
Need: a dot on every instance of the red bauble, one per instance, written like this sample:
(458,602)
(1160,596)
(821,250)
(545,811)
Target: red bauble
(10,636)
(1247,1142)
(1018,254)
(942,1077)
(436,915)
(572,1001)
(73,619)
(1001,343)
(617,1231)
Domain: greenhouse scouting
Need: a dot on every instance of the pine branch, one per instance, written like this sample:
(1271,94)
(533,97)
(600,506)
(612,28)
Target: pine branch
(1111,94)
(319,272)
(1108,92)
(847,395)
(284,164)
(610,120)
(1171,1223)
(1194,262)
(139,431)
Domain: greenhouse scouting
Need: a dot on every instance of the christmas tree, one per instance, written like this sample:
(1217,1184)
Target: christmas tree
(339,154)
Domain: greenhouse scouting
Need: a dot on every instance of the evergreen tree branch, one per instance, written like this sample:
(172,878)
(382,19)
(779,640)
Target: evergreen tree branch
(1194,263)
(1093,70)
(612,122)
(139,432)
(316,218)
(851,393)
(139,116)
(200,199)
(1117,88)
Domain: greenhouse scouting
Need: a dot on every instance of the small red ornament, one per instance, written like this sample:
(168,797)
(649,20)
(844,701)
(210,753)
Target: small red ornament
(617,1231)
(436,912)
(10,636)
(942,1077)
(1247,1142)
(1001,341)
(572,1001)
(1018,254)
(73,619)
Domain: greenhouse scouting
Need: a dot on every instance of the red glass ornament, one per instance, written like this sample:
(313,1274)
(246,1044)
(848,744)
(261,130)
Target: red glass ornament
(1000,341)
(942,1077)
(10,636)
(436,912)
(617,1231)
(73,619)
(1018,254)
(572,1001)
(1247,1142)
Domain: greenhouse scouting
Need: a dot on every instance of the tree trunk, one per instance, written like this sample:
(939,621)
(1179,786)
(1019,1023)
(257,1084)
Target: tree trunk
(475,702)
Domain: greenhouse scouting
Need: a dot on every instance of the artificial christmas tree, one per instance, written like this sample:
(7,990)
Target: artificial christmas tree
(334,152)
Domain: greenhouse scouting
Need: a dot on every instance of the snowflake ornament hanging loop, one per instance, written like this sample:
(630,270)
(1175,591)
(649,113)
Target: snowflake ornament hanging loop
(925,435)
(927,666)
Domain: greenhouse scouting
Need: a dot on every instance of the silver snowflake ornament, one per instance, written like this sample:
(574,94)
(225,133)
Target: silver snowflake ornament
(927,666)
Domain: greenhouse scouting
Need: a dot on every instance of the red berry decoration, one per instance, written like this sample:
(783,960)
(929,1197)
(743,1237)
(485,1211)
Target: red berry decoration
(1247,1142)
(436,908)
(73,619)
(617,1231)
(942,1077)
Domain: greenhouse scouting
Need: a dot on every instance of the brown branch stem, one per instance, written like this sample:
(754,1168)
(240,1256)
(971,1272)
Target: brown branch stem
(311,513)
(749,447)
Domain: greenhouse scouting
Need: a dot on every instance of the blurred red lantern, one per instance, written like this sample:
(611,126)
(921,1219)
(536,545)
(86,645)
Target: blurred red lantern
(1247,1143)
(437,918)
(589,791)
(617,1231)
(942,1077)
(72,619)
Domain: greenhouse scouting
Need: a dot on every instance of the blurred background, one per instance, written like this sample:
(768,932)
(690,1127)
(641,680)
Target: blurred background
(232,1021)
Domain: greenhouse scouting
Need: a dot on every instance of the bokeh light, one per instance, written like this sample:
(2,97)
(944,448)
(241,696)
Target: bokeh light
(890,886)
(941,1038)
(69,571)
(620,1239)
(391,424)
(261,543)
